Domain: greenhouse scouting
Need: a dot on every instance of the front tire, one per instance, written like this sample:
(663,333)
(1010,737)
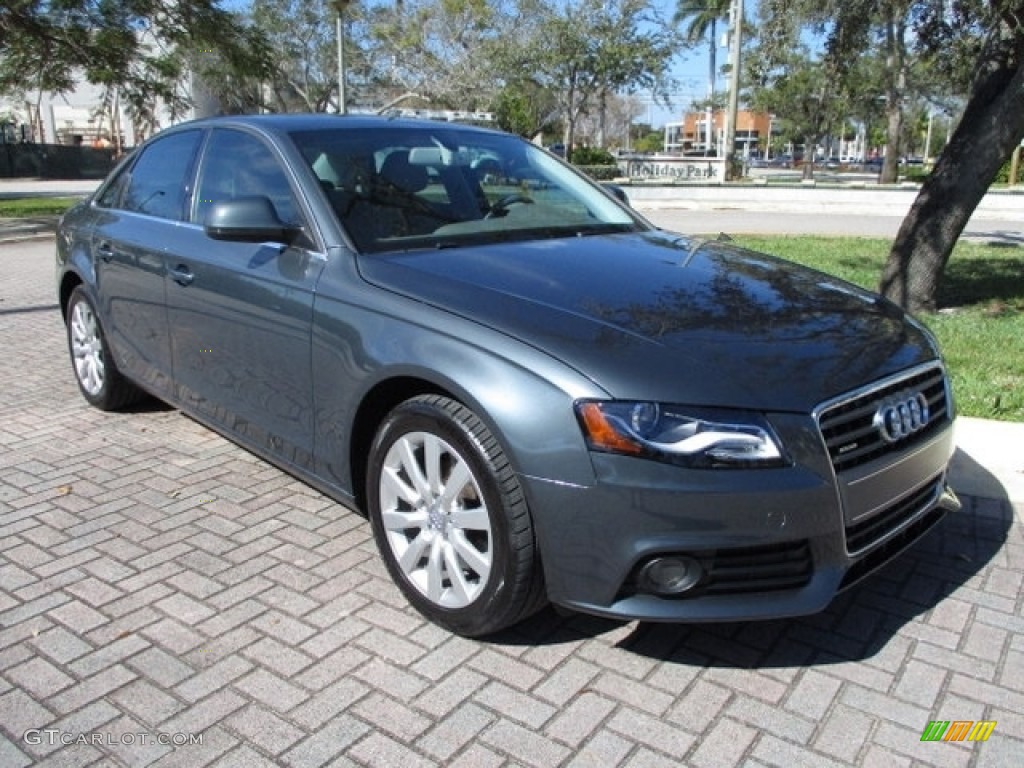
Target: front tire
(95,371)
(450,518)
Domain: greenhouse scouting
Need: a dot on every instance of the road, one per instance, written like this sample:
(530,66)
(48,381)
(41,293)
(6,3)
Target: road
(1003,231)
(745,209)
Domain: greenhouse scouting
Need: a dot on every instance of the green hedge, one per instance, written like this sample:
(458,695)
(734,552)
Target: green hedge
(591,156)
(1003,177)
(601,172)
(916,175)
(920,175)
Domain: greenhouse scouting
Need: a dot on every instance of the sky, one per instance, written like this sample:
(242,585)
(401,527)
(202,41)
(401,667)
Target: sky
(691,72)
(690,69)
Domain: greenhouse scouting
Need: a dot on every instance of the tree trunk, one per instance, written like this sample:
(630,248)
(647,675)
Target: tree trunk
(810,145)
(569,134)
(893,143)
(992,126)
(712,65)
(896,67)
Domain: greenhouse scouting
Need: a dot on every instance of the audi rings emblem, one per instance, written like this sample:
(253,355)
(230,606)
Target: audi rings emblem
(902,416)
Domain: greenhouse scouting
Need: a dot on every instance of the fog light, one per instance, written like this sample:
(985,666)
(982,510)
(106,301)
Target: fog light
(670,575)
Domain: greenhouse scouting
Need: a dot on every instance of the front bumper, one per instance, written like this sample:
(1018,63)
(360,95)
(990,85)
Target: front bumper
(772,543)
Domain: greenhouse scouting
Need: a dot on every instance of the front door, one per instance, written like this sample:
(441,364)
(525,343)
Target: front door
(241,313)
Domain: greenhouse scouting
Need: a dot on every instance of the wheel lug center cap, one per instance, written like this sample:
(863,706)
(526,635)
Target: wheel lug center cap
(436,516)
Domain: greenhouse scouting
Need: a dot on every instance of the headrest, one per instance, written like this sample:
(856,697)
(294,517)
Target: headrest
(399,171)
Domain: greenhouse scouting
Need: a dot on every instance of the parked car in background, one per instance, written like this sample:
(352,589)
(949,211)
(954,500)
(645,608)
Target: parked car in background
(531,392)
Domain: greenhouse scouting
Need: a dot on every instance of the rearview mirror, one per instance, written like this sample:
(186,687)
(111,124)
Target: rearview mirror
(429,156)
(617,192)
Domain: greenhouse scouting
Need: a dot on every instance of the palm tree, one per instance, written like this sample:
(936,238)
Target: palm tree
(703,16)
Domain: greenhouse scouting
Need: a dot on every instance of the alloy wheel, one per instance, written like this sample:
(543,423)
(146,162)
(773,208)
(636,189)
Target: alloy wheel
(436,519)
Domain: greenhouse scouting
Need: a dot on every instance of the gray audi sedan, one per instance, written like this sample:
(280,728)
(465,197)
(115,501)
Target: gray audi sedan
(532,393)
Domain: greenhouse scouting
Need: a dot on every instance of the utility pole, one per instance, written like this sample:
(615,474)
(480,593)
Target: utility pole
(339,8)
(735,45)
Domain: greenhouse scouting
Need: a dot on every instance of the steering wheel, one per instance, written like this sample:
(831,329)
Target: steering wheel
(500,207)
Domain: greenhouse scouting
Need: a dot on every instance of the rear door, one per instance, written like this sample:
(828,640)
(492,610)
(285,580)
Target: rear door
(138,219)
(240,312)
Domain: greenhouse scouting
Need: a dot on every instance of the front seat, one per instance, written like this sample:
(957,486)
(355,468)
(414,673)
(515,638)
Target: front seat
(399,172)
(402,211)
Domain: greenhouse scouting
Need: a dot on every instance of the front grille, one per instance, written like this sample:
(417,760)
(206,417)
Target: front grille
(849,428)
(860,536)
(768,568)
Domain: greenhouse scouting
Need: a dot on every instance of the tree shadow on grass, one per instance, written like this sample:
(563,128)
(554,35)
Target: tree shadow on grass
(997,276)
(983,280)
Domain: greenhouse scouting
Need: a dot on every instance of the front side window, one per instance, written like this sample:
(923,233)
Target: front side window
(110,196)
(157,182)
(237,164)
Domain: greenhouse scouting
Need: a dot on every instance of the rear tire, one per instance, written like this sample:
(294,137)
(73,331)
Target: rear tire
(99,381)
(450,518)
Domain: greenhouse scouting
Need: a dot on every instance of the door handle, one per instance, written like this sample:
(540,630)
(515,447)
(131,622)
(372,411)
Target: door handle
(105,251)
(182,275)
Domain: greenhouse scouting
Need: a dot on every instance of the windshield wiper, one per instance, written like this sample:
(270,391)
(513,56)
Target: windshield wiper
(604,229)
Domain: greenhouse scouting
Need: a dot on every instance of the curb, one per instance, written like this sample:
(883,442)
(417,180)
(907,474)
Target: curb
(19,228)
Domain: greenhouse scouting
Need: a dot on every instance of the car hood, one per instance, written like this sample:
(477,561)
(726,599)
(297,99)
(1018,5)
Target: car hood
(655,316)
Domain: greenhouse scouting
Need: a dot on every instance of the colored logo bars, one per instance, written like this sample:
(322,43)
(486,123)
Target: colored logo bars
(958,730)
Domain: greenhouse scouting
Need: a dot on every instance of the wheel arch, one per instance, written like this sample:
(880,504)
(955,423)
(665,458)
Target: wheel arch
(511,401)
(68,282)
(376,404)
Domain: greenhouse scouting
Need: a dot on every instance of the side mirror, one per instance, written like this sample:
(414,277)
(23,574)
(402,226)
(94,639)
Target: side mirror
(617,192)
(247,219)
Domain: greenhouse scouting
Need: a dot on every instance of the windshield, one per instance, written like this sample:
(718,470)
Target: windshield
(403,187)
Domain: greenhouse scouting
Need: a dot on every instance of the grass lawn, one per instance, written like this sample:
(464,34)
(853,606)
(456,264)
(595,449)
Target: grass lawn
(980,325)
(27,207)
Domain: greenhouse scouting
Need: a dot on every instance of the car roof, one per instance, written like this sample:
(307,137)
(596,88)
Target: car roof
(289,122)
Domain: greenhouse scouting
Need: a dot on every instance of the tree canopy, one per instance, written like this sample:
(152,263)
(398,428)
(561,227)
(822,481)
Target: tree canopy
(535,62)
(991,127)
(584,49)
(975,47)
(141,47)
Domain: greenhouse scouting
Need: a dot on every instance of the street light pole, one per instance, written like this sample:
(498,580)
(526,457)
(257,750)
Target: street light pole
(339,8)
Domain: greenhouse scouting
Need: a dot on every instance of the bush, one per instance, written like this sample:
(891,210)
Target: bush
(591,156)
(916,175)
(1003,177)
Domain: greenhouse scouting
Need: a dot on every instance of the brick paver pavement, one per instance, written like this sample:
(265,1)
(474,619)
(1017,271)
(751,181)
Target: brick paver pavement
(155,579)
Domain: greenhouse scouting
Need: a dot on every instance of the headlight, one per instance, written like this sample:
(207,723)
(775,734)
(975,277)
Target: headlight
(690,437)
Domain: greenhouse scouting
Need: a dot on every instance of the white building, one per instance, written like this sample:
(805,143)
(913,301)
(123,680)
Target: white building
(90,115)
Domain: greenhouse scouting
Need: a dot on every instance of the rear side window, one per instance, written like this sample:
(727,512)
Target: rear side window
(156,185)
